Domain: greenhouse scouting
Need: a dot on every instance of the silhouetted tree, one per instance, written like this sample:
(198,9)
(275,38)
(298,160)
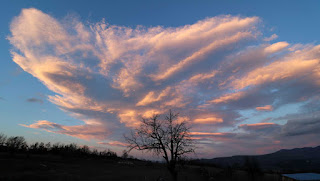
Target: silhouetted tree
(95,152)
(125,154)
(167,137)
(33,148)
(48,146)
(3,139)
(85,150)
(55,148)
(111,154)
(42,148)
(16,143)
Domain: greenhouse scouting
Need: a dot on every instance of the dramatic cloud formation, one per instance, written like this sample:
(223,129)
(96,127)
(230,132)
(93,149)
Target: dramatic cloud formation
(211,72)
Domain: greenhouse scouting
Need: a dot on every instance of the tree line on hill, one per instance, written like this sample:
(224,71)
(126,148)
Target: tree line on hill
(18,144)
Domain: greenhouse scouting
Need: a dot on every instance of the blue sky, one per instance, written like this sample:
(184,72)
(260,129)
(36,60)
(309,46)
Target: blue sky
(293,24)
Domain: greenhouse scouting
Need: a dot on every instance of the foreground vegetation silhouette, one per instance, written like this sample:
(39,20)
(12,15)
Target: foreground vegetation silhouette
(37,161)
(18,144)
(46,161)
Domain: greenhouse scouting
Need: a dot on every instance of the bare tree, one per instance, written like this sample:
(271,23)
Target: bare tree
(166,137)
(125,154)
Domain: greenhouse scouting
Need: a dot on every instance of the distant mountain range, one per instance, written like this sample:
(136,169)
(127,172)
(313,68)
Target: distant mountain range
(297,159)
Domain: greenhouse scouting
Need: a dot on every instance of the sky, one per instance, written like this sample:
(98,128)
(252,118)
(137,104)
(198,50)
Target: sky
(244,74)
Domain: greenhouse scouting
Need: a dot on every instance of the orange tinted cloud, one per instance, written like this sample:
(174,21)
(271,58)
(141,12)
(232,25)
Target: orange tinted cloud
(228,97)
(151,97)
(202,77)
(265,108)
(208,120)
(130,118)
(276,47)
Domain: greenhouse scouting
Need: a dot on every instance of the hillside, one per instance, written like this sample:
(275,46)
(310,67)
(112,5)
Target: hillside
(298,159)
(49,167)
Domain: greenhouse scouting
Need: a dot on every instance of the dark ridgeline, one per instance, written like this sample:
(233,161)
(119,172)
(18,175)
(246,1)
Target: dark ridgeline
(18,145)
(284,161)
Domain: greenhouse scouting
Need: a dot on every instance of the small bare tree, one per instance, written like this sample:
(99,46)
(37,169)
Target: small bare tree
(3,139)
(166,137)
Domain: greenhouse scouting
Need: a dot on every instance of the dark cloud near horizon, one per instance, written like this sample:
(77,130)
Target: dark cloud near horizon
(301,127)
(262,138)
(35,100)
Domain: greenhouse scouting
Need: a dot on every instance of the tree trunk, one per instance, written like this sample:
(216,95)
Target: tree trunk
(174,175)
(173,172)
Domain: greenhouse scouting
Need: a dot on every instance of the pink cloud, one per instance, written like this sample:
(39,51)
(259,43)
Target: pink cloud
(86,132)
(258,125)
(275,72)
(201,54)
(209,134)
(276,47)
(114,143)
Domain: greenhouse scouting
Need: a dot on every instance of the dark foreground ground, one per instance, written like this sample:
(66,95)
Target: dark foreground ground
(49,167)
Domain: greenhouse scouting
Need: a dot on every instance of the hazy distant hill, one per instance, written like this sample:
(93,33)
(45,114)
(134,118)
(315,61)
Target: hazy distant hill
(298,159)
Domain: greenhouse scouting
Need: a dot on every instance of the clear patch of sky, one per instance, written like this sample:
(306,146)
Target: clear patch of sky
(254,116)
